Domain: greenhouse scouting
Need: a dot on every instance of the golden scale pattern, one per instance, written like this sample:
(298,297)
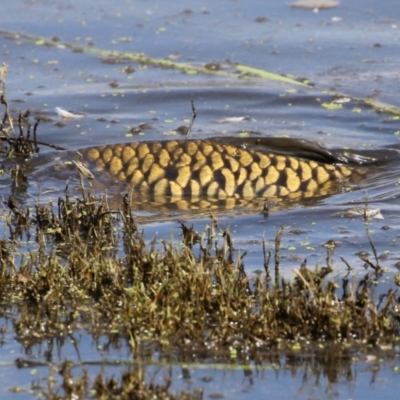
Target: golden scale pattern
(193,169)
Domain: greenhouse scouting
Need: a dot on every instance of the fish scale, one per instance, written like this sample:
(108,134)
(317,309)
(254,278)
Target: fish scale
(185,170)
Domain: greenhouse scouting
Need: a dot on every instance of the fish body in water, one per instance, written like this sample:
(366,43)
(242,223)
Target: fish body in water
(221,172)
(223,169)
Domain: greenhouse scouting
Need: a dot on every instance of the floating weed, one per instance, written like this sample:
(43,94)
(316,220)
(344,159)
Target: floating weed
(332,106)
(114,56)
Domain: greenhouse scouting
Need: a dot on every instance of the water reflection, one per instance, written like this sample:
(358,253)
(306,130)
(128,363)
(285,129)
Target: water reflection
(328,371)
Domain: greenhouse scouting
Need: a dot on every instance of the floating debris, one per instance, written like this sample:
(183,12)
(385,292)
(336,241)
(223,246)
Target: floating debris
(341,100)
(232,119)
(367,213)
(67,114)
(315,4)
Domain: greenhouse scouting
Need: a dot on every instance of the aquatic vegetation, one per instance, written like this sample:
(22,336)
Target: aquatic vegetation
(194,293)
(111,56)
(89,268)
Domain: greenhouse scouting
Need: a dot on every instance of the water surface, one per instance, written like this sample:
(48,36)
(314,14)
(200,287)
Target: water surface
(350,50)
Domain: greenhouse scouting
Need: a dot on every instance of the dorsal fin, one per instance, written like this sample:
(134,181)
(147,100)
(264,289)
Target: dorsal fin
(300,148)
(305,149)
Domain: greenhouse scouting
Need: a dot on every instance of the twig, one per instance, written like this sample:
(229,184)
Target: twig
(3,100)
(377,268)
(373,249)
(278,239)
(34,141)
(266,262)
(194,115)
(347,264)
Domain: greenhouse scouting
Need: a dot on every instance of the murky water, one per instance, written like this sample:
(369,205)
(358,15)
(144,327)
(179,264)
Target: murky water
(350,49)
